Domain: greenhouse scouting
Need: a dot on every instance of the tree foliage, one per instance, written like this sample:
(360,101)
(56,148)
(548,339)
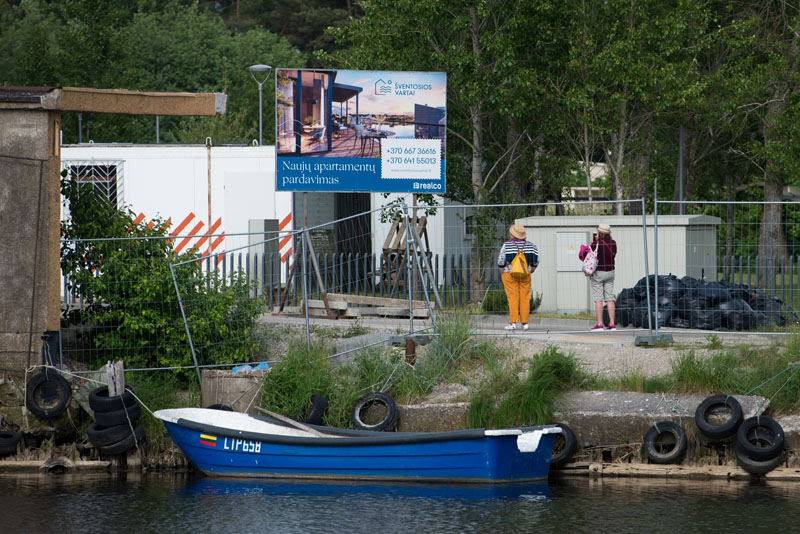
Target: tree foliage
(152,46)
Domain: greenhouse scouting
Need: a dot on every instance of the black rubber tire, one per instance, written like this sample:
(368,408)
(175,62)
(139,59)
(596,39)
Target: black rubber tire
(725,430)
(564,447)
(8,442)
(389,420)
(754,432)
(34,385)
(653,448)
(223,407)
(756,467)
(99,401)
(118,417)
(314,414)
(101,436)
(126,443)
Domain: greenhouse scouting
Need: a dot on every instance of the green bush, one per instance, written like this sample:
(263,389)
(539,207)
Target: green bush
(122,271)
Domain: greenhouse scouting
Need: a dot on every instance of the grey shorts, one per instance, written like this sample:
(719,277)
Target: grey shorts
(602,286)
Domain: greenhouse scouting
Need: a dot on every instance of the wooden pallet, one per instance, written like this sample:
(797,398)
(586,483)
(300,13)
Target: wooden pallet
(343,305)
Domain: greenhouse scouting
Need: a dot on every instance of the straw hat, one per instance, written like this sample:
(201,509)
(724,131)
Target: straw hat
(517,231)
(603,229)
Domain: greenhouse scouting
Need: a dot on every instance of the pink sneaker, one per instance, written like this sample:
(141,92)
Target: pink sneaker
(612,327)
(597,328)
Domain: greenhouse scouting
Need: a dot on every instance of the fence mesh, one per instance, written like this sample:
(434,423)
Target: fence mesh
(742,271)
(138,300)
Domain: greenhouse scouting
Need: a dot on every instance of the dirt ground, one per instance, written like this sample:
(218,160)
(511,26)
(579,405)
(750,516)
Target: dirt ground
(604,359)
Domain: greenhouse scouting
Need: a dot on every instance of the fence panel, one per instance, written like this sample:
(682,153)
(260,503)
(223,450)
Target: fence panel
(750,285)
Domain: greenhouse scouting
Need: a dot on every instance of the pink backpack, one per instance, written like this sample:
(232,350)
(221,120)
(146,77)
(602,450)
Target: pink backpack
(590,262)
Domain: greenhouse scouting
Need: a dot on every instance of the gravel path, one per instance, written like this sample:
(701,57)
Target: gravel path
(604,359)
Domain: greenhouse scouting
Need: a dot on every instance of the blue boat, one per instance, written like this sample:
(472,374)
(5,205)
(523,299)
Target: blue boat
(231,444)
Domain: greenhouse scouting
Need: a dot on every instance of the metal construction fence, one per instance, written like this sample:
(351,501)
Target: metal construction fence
(135,299)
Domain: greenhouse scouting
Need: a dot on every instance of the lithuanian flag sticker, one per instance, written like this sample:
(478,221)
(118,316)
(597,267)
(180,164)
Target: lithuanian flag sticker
(205,439)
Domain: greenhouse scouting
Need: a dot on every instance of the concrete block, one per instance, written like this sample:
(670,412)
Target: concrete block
(240,390)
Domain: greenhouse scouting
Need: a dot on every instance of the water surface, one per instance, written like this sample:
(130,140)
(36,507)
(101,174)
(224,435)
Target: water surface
(167,504)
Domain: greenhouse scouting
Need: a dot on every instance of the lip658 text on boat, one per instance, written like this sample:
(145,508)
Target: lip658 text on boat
(243,445)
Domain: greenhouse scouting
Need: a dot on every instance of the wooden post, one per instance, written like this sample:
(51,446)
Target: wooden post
(411,351)
(115,378)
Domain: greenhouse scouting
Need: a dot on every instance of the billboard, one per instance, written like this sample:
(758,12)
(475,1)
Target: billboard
(360,131)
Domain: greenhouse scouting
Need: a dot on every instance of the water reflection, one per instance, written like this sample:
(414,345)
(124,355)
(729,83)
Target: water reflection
(167,504)
(223,486)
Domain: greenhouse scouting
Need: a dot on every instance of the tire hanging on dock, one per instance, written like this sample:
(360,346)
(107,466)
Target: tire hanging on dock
(47,394)
(756,467)
(375,399)
(665,443)
(118,417)
(564,447)
(760,438)
(99,401)
(708,406)
(126,443)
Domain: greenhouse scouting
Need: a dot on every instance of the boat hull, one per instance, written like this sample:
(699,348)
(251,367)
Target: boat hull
(465,456)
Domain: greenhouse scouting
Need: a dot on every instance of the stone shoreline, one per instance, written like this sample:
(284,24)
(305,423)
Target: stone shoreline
(609,426)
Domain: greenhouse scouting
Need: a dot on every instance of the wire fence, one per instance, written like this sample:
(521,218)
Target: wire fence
(707,269)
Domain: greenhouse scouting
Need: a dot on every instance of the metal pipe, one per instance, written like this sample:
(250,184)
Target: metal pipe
(305,291)
(646,270)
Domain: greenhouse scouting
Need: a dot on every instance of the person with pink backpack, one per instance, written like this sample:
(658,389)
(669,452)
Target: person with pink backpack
(599,267)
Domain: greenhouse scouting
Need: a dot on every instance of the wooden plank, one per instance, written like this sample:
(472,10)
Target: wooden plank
(374,301)
(388,311)
(333,305)
(702,472)
(398,240)
(390,235)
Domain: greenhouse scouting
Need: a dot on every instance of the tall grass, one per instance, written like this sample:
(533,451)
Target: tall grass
(452,351)
(505,400)
(290,383)
(157,391)
(720,372)
(763,371)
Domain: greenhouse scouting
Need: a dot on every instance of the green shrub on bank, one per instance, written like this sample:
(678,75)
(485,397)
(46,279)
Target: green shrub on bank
(504,400)
(157,391)
(290,382)
(122,271)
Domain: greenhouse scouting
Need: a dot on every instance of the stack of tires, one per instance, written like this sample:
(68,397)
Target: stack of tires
(116,428)
(759,439)
(759,445)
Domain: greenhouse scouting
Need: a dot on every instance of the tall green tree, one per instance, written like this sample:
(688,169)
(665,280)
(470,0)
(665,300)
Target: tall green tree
(627,67)
(493,52)
(773,103)
(147,45)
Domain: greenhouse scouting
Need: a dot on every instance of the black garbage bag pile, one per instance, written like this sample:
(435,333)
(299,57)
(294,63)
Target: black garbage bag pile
(690,303)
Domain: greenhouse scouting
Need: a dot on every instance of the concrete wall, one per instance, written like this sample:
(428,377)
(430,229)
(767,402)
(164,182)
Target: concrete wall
(29,226)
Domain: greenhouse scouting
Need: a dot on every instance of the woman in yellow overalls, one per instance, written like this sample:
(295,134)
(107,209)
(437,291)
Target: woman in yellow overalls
(518,288)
